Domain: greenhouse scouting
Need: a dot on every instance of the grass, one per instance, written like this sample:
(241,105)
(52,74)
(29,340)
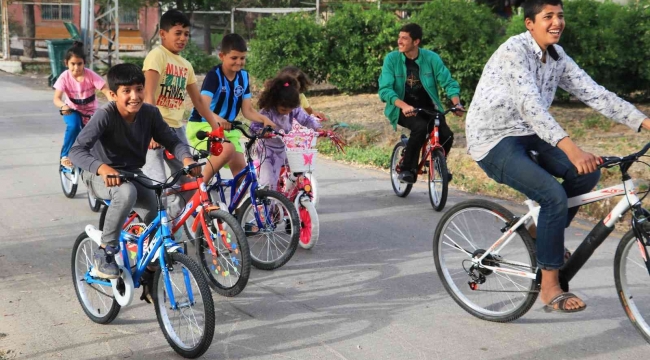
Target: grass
(370,140)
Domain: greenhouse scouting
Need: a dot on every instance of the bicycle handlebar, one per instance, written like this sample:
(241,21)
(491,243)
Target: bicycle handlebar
(436,113)
(610,161)
(129,176)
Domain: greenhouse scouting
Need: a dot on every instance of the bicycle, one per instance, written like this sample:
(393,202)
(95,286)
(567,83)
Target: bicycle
(69,177)
(432,156)
(269,219)
(300,187)
(181,294)
(223,253)
(485,256)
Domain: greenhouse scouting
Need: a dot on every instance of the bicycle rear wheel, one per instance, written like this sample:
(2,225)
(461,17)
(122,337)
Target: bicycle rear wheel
(438,180)
(401,189)
(276,242)
(189,325)
(96,300)
(633,282)
(229,268)
(69,180)
(466,231)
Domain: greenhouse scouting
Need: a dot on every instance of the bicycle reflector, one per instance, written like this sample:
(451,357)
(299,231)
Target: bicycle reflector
(216,148)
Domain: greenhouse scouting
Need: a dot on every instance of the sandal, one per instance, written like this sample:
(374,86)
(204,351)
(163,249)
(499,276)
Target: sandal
(65,162)
(561,301)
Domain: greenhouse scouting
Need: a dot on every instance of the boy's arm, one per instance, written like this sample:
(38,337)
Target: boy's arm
(451,86)
(305,119)
(578,83)
(151,78)
(201,102)
(252,115)
(386,92)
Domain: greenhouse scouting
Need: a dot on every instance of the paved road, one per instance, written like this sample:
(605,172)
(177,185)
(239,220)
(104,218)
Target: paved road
(367,291)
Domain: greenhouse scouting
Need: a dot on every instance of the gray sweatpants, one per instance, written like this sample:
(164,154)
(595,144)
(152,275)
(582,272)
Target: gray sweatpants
(124,198)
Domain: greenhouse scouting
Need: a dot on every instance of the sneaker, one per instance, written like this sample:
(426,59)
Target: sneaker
(105,266)
(406,176)
(450,177)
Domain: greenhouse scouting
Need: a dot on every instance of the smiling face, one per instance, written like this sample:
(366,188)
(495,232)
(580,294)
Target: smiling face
(405,44)
(548,26)
(233,61)
(128,99)
(176,38)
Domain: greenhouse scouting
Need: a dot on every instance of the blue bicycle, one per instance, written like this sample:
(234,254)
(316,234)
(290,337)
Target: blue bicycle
(269,219)
(180,292)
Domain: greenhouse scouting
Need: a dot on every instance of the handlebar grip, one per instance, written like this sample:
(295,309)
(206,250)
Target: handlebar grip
(201,135)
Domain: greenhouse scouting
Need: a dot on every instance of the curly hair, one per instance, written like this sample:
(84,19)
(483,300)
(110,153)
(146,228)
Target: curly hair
(303,79)
(280,91)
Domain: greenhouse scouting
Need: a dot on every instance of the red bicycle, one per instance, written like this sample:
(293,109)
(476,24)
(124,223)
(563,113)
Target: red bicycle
(432,158)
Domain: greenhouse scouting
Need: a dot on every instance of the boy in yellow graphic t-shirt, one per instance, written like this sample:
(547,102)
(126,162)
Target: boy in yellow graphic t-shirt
(167,78)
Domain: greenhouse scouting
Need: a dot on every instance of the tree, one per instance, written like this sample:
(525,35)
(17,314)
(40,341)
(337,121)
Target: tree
(29,31)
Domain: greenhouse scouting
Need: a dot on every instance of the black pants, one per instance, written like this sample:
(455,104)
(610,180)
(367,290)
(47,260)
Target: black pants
(421,125)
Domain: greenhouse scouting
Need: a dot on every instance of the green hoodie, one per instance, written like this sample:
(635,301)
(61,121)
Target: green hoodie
(433,72)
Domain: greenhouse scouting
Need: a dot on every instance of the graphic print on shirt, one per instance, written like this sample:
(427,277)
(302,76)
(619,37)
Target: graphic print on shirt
(172,88)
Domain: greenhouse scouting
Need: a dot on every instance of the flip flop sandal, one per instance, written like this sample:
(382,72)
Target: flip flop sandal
(561,302)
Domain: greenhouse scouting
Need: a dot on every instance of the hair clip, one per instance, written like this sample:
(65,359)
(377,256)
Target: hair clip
(286,84)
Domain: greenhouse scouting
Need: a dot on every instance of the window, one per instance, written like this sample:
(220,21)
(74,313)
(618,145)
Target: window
(129,16)
(56,12)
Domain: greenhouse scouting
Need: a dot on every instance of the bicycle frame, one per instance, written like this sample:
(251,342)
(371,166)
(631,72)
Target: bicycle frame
(587,247)
(158,246)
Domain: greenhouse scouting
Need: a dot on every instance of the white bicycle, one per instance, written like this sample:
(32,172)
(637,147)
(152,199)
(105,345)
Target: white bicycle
(486,260)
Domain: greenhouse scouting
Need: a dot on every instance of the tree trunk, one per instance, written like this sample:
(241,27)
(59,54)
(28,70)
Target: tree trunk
(207,35)
(180,5)
(29,31)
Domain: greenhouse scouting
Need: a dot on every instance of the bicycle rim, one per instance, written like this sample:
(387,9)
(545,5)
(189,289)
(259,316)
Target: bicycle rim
(401,189)
(474,227)
(633,283)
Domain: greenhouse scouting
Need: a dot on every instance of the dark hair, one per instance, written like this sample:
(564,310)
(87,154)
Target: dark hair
(280,91)
(172,18)
(303,80)
(124,75)
(414,30)
(534,7)
(232,42)
(77,50)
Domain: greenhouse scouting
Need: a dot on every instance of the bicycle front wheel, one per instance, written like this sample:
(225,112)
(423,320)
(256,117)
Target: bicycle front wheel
(309,225)
(96,300)
(69,180)
(276,241)
(438,180)
(632,281)
(401,189)
(465,232)
(228,267)
(188,324)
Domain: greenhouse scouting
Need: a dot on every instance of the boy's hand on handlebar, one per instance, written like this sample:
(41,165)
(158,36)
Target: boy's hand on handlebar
(153,144)
(110,176)
(268,122)
(224,124)
(409,111)
(195,172)
(459,109)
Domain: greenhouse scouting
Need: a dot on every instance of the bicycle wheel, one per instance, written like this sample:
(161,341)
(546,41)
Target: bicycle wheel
(309,225)
(188,326)
(96,300)
(93,203)
(438,180)
(314,188)
(632,280)
(401,189)
(69,180)
(274,244)
(466,231)
(229,268)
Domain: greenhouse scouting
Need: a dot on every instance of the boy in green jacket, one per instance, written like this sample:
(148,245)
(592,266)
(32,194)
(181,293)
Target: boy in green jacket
(409,79)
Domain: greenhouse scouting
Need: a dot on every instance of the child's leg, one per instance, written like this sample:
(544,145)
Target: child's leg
(72,129)
(270,166)
(237,161)
(215,163)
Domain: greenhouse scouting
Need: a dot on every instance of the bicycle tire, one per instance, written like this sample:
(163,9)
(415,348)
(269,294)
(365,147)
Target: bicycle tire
(93,203)
(308,219)
(438,174)
(221,265)
(82,251)
(69,183)
(160,298)
(284,248)
(314,188)
(401,189)
(632,286)
(480,234)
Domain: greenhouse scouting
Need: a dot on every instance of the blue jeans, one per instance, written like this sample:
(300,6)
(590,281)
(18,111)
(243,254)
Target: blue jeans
(509,163)
(73,128)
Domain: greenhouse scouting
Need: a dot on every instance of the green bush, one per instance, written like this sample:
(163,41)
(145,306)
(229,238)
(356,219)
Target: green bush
(137,60)
(464,34)
(201,62)
(293,39)
(359,40)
